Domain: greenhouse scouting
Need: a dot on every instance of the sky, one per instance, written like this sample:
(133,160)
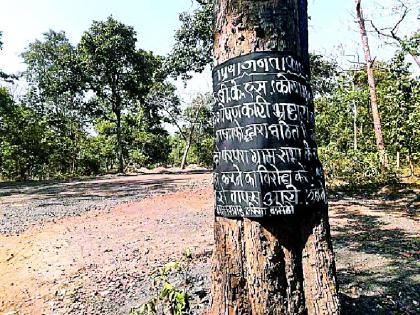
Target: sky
(332,30)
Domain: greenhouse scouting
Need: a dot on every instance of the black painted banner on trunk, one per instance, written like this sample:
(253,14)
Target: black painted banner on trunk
(265,160)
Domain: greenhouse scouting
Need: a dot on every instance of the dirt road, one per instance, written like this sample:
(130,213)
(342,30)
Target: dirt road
(22,205)
(98,259)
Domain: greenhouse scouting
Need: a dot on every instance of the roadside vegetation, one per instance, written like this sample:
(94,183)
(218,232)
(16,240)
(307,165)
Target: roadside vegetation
(86,110)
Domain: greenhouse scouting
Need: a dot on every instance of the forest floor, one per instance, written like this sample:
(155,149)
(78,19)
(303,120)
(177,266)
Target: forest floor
(89,247)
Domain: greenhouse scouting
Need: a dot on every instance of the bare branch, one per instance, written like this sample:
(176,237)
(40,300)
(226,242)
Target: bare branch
(175,122)
(392,30)
(403,16)
(380,31)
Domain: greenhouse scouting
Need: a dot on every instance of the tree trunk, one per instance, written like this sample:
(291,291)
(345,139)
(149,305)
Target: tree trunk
(119,144)
(354,126)
(187,148)
(188,141)
(372,86)
(281,265)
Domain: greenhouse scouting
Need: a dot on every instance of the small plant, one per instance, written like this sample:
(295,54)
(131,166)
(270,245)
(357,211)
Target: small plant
(170,298)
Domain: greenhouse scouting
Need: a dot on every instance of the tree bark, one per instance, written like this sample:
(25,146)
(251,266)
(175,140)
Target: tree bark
(283,265)
(372,86)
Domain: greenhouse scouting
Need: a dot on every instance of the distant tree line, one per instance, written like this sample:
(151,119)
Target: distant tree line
(96,107)
(103,106)
(344,120)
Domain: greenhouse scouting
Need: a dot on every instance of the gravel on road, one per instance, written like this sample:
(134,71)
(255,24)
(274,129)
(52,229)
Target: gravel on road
(26,204)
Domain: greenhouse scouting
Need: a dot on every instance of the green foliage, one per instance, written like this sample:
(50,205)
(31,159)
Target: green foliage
(170,298)
(399,93)
(119,75)
(411,45)
(335,115)
(192,50)
(53,76)
(197,130)
(203,150)
(100,106)
(85,110)
(323,74)
(28,146)
(115,70)
(200,153)
(353,167)
(55,95)
(399,106)
(146,142)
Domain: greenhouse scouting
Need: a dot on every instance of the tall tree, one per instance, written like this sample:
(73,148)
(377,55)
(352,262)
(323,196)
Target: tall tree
(119,74)
(54,81)
(399,94)
(53,74)
(190,122)
(283,265)
(324,74)
(25,140)
(196,115)
(372,85)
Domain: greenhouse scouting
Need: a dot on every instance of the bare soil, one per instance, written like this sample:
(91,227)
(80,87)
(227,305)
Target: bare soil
(96,258)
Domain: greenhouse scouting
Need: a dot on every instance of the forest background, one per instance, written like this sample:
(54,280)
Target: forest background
(104,105)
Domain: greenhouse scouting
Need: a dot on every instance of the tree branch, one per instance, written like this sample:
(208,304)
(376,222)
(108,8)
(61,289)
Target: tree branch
(392,33)
(175,122)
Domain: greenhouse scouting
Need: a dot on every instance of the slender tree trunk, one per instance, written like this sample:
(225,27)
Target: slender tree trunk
(119,143)
(372,86)
(187,148)
(190,136)
(354,127)
(270,266)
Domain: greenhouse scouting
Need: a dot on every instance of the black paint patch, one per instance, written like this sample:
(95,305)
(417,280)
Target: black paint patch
(265,160)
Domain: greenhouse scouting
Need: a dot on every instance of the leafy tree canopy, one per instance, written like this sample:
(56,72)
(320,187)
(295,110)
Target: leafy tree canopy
(53,75)
(119,74)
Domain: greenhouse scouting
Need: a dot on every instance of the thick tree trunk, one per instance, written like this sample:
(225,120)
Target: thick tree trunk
(281,265)
(372,85)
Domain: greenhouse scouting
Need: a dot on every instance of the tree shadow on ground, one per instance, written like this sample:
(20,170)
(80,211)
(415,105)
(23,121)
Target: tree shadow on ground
(22,207)
(381,277)
(33,183)
(102,188)
(388,191)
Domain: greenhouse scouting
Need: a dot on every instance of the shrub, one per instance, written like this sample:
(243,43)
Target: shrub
(353,167)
